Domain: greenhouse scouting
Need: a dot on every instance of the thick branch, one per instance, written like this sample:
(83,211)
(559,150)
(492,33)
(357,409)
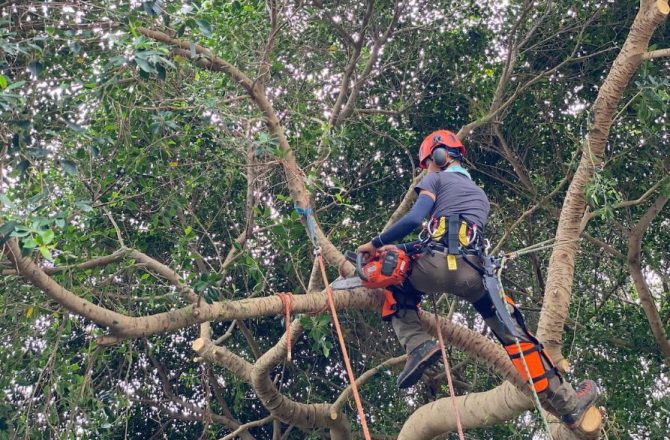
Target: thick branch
(220,355)
(123,326)
(635,268)
(310,416)
(562,263)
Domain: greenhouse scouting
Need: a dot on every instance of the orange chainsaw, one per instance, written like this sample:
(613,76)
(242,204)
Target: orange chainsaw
(382,270)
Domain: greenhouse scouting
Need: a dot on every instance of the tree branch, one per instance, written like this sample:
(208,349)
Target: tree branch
(310,416)
(294,174)
(635,268)
(360,381)
(656,54)
(243,428)
(562,262)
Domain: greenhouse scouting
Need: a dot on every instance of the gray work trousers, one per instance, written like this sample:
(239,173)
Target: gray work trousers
(431,275)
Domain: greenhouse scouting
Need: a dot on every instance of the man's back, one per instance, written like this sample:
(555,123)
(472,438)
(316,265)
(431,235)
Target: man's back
(456,193)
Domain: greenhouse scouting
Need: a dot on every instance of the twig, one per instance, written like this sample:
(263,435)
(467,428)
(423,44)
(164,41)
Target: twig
(248,426)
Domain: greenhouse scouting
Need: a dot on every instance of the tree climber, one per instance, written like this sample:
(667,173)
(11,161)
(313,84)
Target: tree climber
(451,260)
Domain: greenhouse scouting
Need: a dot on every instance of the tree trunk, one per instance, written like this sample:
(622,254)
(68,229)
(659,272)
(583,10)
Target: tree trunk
(562,263)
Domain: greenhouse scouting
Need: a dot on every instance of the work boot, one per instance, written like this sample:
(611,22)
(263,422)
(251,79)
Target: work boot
(587,393)
(418,360)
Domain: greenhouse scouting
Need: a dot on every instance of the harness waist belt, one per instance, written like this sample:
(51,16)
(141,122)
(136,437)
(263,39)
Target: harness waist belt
(443,249)
(455,232)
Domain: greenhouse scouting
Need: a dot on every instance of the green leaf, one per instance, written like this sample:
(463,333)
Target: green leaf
(15,85)
(83,206)
(69,167)
(5,230)
(162,74)
(47,236)
(36,68)
(148,7)
(23,166)
(144,65)
(3,82)
(6,202)
(76,127)
(46,253)
(204,27)
(29,243)
(74,47)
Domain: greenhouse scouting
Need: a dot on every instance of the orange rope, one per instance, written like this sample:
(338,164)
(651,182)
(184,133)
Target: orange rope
(287,301)
(345,355)
(447,371)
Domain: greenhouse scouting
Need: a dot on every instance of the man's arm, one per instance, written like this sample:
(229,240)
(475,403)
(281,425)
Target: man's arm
(409,222)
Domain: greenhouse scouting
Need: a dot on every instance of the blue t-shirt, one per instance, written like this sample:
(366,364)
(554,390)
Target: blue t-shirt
(456,193)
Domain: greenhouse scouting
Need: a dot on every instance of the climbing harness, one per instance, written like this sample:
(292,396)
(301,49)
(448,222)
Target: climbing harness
(308,214)
(447,371)
(527,357)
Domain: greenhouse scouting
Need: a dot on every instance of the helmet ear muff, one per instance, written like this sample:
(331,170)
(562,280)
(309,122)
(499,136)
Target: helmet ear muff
(440,156)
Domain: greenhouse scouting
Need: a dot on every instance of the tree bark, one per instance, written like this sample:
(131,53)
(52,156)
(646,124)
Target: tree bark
(310,416)
(635,269)
(562,262)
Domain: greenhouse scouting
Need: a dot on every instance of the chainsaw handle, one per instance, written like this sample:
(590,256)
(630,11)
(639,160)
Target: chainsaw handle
(359,267)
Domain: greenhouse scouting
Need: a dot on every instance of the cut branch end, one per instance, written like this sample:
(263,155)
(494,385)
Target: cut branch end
(198,345)
(591,424)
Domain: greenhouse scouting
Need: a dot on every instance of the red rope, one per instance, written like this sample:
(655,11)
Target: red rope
(345,355)
(287,301)
(447,371)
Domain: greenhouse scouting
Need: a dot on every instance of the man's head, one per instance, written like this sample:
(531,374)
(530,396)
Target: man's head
(440,149)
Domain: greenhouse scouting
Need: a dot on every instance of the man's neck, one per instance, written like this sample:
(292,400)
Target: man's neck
(435,169)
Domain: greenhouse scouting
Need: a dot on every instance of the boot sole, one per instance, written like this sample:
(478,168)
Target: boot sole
(429,359)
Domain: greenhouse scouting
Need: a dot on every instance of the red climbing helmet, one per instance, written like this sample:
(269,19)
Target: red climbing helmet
(444,138)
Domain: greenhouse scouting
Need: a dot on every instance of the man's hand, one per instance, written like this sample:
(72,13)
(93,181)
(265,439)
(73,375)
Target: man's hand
(388,248)
(367,248)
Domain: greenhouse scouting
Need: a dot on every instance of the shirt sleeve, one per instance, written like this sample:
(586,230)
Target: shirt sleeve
(407,223)
(430,182)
